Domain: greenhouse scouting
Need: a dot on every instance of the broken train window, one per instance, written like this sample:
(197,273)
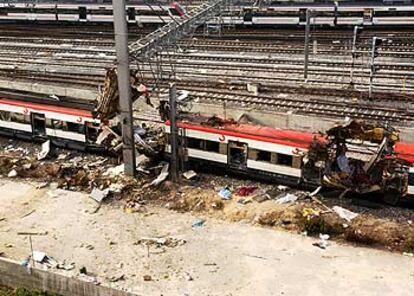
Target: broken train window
(20,118)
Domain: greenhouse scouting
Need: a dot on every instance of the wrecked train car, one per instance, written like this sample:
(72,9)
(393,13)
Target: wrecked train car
(355,157)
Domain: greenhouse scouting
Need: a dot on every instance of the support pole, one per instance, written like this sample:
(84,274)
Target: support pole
(354,39)
(307,32)
(173,133)
(125,103)
(372,67)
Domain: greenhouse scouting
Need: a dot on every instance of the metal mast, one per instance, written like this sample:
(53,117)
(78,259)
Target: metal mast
(125,102)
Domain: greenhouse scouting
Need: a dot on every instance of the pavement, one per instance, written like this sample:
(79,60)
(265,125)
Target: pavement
(219,258)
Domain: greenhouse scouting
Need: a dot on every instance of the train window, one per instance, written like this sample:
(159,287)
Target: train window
(20,118)
(92,131)
(194,143)
(75,127)
(5,115)
(237,154)
(263,155)
(212,146)
(284,159)
(58,124)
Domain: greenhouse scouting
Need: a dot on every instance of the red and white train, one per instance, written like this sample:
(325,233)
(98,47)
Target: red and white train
(66,127)
(277,154)
(253,150)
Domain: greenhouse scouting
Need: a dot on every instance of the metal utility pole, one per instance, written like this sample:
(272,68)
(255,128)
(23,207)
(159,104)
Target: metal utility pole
(307,32)
(354,40)
(173,133)
(123,73)
(376,42)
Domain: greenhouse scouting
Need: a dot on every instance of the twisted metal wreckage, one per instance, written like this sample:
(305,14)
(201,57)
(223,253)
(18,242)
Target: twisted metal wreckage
(359,157)
(354,156)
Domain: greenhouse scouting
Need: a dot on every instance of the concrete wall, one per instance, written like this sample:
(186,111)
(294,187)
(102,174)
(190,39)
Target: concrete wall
(13,275)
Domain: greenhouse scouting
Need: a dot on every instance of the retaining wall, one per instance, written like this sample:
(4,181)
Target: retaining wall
(13,275)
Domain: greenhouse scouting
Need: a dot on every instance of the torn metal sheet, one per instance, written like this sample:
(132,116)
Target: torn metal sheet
(45,150)
(162,176)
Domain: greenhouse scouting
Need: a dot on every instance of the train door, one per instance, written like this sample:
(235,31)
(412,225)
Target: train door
(237,155)
(38,124)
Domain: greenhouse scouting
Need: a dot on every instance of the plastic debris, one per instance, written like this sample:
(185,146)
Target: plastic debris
(288,198)
(225,193)
(198,223)
(189,174)
(344,213)
(162,176)
(99,195)
(115,171)
(245,190)
(45,150)
(323,243)
(12,174)
(39,256)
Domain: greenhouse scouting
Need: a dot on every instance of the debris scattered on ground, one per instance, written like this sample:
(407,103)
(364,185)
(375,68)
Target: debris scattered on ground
(245,190)
(12,174)
(189,174)
(161,242)
(147,278)
(197,223)
(39,256)
(323,243)
(344,213)
(287,198)
(225,193)
(45,150)
(162,176)
(99,195)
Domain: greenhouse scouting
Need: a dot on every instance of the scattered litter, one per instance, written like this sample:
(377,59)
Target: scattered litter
(188,276)
(198,223)
(99,195)
(245,190)
(83,270)
(408,254)
(323,243)
(344,213)
(115,171)
(117,278)
(45,150)
(282,187)
(39,257)
(32,233)
(8,246)
(288,198)
(147,278)
(245,201)
(189,174)
(225,193)
(161,242)
(12,174)
(162,176)
(28,214)
(27,166)
(42,185)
